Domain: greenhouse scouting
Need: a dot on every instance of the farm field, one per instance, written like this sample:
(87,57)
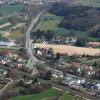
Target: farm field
(70,50)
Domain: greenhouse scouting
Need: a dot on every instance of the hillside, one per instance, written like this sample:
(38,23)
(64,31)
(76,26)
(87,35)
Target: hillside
(95,3)
(78,18)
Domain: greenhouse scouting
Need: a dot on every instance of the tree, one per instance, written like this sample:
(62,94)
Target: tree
(48,75)
(57,56)
(76,17)
(81,42)
(35,80)
(95,64)
(95,31)
(21,83)
(49,35)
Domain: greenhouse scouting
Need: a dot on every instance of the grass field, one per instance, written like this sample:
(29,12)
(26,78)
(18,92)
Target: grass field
(70,50)
(46,94)
(66,96)
(50,22)
(91,62)
(40,96)
(10,9)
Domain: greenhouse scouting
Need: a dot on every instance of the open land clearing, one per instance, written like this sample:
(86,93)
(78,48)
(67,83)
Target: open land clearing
(70,50)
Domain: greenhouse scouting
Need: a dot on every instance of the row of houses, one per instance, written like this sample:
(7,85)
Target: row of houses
(34,2)
(7,43)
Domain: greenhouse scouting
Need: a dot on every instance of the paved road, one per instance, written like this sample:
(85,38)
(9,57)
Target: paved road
(29,48)
(10,82)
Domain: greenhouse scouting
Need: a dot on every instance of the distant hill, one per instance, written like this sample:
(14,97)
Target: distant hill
(95,3)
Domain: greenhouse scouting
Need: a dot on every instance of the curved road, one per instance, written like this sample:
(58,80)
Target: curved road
(28,41)
(32,58)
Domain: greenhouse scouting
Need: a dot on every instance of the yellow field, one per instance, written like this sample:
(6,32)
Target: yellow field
(70,50)
(95,43)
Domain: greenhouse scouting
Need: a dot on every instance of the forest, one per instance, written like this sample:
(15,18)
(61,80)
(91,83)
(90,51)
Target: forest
(80,18)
